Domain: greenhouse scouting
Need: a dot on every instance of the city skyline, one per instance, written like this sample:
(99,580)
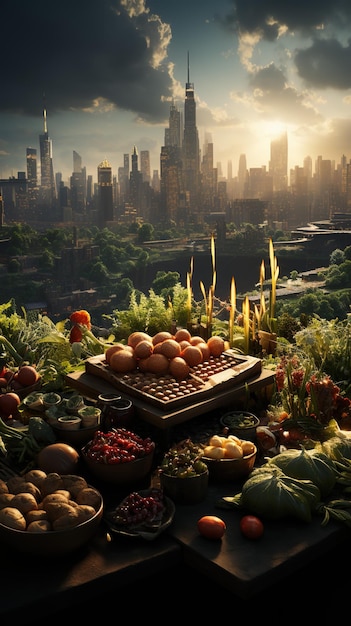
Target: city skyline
(259,69)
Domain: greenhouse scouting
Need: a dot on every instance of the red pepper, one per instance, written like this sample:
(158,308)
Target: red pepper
(75,334)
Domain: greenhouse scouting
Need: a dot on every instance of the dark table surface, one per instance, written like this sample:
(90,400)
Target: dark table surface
(31,584)
(240,566)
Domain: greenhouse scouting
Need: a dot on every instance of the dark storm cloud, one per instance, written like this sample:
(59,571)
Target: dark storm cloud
(301,16)
(325,64)
(276,98)
(325,61)
(78,51)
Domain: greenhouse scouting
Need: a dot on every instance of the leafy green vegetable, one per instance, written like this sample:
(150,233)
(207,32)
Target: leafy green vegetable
(41,430)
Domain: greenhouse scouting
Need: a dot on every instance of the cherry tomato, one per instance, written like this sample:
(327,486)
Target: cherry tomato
(251,527)
(211,527)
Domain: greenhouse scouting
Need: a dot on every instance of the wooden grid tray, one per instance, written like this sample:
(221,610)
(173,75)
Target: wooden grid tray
(205,381)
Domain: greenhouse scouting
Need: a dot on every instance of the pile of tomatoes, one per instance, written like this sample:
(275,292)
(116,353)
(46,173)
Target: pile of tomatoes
(12,383)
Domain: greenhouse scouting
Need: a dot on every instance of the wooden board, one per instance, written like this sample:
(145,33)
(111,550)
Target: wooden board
(164,392)
(91,386)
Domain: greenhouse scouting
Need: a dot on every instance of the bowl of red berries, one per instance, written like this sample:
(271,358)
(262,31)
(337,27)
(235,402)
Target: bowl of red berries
(119,456)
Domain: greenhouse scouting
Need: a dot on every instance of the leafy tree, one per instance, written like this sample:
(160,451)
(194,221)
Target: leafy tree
(145,232)
(294,275)
(165,281)
(47,260)
(336,257)
(99,273)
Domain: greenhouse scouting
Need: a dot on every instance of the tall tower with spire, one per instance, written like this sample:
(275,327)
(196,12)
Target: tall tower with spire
(47,179)
(190,150)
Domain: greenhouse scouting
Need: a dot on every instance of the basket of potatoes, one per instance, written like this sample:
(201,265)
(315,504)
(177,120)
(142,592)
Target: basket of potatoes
(48,513)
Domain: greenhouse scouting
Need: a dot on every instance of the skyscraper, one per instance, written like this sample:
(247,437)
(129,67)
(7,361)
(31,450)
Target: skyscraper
(47,180)
(32,176)
(171,167)
(190,150)
(105,196)
(278,165)
(145,165)
(135,181)
(78,185)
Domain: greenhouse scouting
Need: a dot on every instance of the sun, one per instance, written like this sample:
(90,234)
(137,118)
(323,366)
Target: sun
(273,128)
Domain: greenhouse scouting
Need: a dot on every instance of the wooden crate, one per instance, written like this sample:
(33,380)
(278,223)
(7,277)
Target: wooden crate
(220,375)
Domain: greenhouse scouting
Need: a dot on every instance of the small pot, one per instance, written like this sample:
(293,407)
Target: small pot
(242,424)
(188,490)
(69,422)
(90,416)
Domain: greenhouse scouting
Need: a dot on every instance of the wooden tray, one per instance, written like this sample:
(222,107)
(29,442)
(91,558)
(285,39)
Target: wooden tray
(164,392)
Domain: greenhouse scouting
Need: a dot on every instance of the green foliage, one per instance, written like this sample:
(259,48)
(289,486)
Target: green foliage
(287,326)
(316,302)
(149,314)
(336,257)
(327,345)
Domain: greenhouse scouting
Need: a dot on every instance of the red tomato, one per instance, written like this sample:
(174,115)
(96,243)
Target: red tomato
(211,527)
(9,403)
(251,527)
(27,375)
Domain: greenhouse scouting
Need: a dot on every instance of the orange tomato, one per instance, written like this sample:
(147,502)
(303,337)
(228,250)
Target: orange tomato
(216,345)
(123,361)
(192,355)
(143,349)
(170,348)
(182,334)
(211,527)
(112,349)
(179,368)
(137,336)
(161,336)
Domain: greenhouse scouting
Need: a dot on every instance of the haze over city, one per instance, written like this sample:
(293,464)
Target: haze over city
(107,73)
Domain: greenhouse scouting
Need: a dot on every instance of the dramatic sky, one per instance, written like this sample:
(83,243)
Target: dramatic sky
(107,71)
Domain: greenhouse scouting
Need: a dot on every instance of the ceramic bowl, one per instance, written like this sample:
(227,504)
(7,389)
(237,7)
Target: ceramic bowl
(34,401)
(52,543)
(74,403)
(243,424)
(121,473)
(75,438)
(51,399)
(90,416)
(188,490)
(69,422)
(231,469)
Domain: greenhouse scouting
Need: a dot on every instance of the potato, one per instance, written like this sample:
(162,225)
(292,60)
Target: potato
(74,483)
(12,518)
(63,492)
(85,511)
(5,499)
(3,487)
(67,520)
(13,481)
(24,502)
(57,509)
(35,476)
(27,487)
(35,515)
(90,496)
(55,496)
(39,526)
(247,447)
(52,482)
